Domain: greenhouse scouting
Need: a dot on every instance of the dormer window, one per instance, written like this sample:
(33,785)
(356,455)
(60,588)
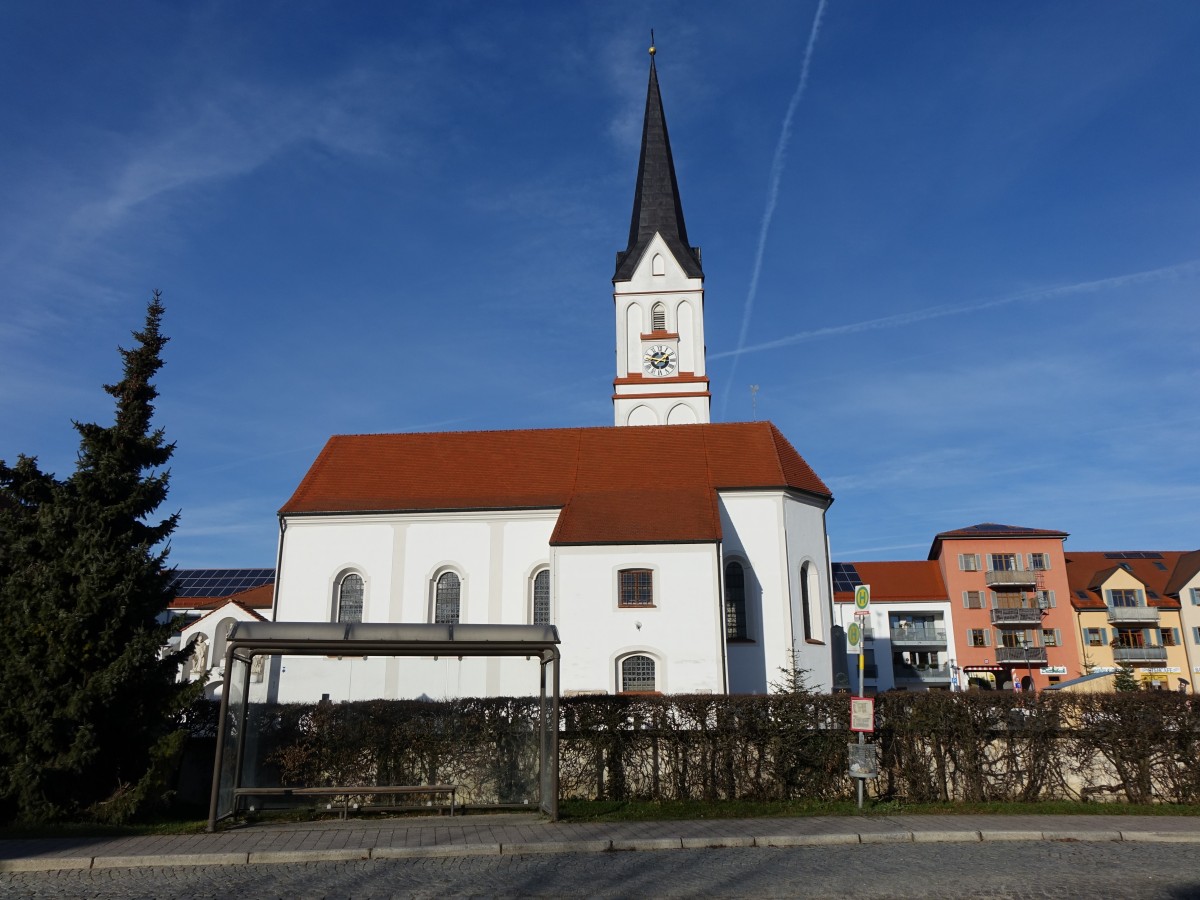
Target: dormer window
(658,318)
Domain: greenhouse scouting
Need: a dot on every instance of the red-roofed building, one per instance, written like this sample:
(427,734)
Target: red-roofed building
(675,556)
(1127,606)
(909,642)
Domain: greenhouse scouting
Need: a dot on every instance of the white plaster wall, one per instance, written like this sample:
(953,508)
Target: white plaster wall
(775,533)
(683,633)
(804,527)
(316,550)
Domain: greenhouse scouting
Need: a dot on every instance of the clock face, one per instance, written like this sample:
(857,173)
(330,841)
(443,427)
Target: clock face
(659,360)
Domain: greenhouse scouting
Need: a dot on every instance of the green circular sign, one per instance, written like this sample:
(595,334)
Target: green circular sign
(854,634)
(862,596)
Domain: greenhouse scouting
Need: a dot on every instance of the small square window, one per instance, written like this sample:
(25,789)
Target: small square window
(636,587)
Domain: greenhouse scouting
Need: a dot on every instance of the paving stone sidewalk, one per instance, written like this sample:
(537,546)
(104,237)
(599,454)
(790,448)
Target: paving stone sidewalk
(507,833)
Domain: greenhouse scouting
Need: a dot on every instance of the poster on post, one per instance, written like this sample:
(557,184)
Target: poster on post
(862,714)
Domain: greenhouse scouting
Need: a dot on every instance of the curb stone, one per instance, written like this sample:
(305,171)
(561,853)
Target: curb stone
(623,844)
(946,837)
(806,840)
(886,837)
(45,863)
(706,843)
(1166,837)
(1081,835)
(435,850)
(294,856)
(602,846)
(169,859)
(1010,835)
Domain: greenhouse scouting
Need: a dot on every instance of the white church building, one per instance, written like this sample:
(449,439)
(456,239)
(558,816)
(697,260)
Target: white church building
(673,555)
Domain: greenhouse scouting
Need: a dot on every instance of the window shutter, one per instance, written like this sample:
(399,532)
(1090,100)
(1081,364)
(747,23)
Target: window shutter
(1196,634)
(1175,634)
(965,604)
(987,637)
(1148,636)
(1108,597)
(1057,638)
(992,595)
(1141,595)
(1104,636)
(1050,598)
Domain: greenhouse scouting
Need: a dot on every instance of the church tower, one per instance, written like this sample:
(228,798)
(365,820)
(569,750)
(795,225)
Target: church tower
(658,292)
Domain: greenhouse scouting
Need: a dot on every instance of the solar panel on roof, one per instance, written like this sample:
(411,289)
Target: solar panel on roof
(845,577)
(219,582)
(1082,595)
(1133,554)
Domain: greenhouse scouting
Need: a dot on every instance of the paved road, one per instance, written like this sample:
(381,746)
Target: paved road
(1059,870)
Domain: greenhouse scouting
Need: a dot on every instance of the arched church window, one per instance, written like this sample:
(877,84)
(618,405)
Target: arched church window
(638,675)
(541,598)
(447,599)
(735,602)
(350,599)
(658,318)
(658,265)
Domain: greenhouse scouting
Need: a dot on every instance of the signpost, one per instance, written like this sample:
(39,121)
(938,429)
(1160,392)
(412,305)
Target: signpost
(862,709)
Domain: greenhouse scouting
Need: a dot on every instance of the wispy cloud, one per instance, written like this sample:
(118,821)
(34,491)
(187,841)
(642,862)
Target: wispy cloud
(785,136)
(1167,273)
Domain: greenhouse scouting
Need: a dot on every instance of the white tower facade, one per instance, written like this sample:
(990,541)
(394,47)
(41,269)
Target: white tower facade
(658,295)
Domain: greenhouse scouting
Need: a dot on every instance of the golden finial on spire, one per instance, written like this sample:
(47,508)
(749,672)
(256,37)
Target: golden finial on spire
(651,41)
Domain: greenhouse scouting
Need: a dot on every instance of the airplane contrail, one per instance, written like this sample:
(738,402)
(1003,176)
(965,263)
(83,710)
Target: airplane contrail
(785,134)
(1191,267)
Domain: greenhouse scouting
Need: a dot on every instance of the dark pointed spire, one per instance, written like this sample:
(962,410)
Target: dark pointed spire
(656,206)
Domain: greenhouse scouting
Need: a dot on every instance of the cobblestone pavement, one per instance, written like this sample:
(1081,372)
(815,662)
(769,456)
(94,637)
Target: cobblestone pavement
(1060,870)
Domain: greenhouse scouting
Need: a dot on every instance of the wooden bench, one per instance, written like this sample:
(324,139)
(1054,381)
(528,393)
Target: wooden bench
(352,790)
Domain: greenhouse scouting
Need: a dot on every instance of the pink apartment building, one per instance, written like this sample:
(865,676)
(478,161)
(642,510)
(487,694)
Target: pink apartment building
(1011,601)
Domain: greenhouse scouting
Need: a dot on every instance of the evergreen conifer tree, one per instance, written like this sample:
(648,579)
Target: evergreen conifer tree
(88,719)
(1125,679)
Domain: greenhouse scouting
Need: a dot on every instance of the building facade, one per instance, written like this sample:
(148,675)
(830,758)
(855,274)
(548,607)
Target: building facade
(681,556)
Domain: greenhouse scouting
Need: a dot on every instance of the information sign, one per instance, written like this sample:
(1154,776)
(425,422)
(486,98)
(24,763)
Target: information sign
(862,714)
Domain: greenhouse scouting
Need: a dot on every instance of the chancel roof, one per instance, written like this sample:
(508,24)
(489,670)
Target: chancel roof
(647,484)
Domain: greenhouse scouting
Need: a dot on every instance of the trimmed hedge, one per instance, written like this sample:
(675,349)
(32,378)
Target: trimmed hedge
(936,746)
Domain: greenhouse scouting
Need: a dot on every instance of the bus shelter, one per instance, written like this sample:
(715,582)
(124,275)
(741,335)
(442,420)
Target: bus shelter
(250,640)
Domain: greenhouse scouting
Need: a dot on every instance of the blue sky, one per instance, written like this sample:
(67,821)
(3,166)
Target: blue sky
(962,263)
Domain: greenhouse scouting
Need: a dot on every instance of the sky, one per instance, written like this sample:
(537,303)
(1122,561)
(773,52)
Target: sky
(956,246)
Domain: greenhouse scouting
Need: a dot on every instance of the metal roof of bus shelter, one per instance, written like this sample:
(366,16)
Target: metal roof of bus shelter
(391,639)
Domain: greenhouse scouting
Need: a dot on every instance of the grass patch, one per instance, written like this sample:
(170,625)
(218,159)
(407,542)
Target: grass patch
(648,811)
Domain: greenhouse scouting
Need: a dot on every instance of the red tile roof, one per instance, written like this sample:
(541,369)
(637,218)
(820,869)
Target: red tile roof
(987,530)
(259,597)
(220,606)
(897,581)
(614,485)
(1087,571)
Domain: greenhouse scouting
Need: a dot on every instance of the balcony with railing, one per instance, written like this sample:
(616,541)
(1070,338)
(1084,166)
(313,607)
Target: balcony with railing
(1032,655)
(918,636)
(1010,580)
(926,675)
(1140,654)
(1018,616)
(1133,615)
